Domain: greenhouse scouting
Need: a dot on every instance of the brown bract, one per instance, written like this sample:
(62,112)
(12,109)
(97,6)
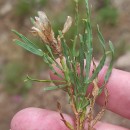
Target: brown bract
(43,29)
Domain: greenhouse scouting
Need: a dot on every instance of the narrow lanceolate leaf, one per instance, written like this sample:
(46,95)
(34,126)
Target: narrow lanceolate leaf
(102,61)
(74,46)
(111,63)
(81,56)
(108,73)
(55,87)
(29,48)
(89,52)
(109,70)
(100,37)
(27,44)
(39,80)
(98,69)
(88,42)
(111,47)
(25,40)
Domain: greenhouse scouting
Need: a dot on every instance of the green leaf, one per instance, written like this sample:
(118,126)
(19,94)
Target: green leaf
(111,47)
(88,45)
(98,69)
(81,56)
(50,81)
(26,40)
(111,63)
(74,46)
(27,44)
(102,61)
(109,70)
(50,88)
(100,36)
(88,57)
(29,48)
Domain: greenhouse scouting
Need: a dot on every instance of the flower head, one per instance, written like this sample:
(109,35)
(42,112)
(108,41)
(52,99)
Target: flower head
(42,28)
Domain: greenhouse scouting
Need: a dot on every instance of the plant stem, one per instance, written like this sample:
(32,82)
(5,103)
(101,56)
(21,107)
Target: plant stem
(77,122)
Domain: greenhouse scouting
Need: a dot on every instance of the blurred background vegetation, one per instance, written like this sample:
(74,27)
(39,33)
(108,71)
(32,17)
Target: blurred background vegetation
(16,63)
